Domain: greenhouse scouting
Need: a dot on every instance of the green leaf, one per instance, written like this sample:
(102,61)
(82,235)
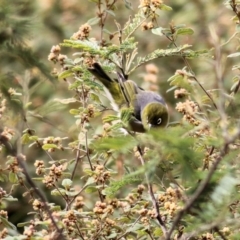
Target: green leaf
(25,138)
(65,74)
(165,7)
(184,31)
(90,181)
(49,146)
(23,224)
(66,101)
(112,236)
(3,177)
(93,21)
(13,177)
(118,144)
(180,81)
(111,12)
(110,118)
(91,189)
(10,199)
(74,111)
(67,183)
(7,224)
(128,4)
(58,192)
(224,189)
(126,114)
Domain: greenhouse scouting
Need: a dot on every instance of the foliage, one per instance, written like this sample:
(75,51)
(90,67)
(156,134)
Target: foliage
(90,177)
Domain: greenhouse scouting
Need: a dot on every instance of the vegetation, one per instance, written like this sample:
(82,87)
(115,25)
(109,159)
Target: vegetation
(71,169)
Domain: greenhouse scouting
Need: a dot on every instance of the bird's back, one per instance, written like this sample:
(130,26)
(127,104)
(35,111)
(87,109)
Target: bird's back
(143,99)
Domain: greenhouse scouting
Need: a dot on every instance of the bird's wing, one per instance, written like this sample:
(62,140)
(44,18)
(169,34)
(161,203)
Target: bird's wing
(100,74)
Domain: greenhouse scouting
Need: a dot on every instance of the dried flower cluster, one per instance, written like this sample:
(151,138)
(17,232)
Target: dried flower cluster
(83,32)
(170,202)
(40,169)
(56,141)
(55,55)
(100,174)
(149,8)
(188,109)
(55,173)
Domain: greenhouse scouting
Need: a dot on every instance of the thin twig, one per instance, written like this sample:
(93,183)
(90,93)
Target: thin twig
(78,158)
(79,231)
(154,201)
(193,75)
(91,166)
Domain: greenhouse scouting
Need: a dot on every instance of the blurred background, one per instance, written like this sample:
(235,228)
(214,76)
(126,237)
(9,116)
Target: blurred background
(29,28)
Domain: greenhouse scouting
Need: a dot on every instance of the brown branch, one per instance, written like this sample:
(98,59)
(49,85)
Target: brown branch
(154,201)
(78,158)
(203,184)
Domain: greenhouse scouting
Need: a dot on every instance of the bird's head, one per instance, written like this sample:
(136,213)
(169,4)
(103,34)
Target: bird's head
(154,115)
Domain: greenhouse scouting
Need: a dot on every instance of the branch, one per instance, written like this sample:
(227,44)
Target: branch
(203,184)
(154,201)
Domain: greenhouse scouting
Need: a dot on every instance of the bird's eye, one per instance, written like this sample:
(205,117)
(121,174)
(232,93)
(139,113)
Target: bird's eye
(159,121)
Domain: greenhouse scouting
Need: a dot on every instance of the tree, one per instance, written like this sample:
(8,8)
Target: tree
(180,182)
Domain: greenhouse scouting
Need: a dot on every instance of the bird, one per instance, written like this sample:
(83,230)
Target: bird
(149,109)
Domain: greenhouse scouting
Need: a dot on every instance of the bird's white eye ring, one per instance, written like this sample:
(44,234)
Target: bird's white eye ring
(159,121)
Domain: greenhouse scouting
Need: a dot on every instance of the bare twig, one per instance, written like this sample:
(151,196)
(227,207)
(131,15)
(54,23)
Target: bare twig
(91,166)
(154,201)
(78,158)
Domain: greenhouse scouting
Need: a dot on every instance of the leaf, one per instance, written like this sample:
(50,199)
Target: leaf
(74,111)
(23,224)
(65,74)
(91,189)
(66,183)
(7,224)
(236,54)
(224,189)
(25,138)
(93,21)
(157,31)
(112,236)
(13,177)
(10,199)
(58,192)
(118,144)
(49,146)
(184,31)
(128,4)
(66,101)
(165,7)
(180,81)
(111,12)
(236,83)
(110,118)
(90,181)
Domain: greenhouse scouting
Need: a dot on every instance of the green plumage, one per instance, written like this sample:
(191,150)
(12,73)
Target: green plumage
(149,108)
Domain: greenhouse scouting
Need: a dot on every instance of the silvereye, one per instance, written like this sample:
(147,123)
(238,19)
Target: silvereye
(149,108)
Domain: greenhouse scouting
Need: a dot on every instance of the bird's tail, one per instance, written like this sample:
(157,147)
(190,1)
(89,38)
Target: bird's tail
(100,74)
